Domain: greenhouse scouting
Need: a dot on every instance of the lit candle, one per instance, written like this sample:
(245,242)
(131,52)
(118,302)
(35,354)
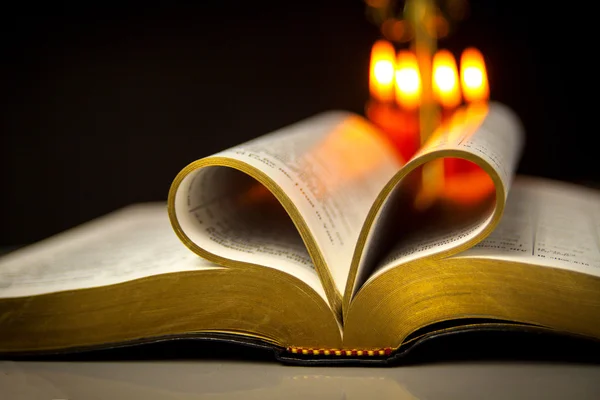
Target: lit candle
(379,108)
(408,90)
(473,76)
(401,128)
(446,90)
(381,76)
(407,81)
(395,78)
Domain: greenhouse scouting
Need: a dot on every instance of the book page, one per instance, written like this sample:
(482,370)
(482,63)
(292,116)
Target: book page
(493,136)
(229,214)
(134,242)
(492,133)
(547,223)
(331,167)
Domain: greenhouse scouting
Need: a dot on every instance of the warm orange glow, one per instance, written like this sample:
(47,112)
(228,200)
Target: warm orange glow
(408,80)
(353,139)
(455,179)
(400,127)
(432,185)
(381,77)
(446,90)
(473,76)
(377,3)
(396,30)
(256,194)
(442,28)
(470,187)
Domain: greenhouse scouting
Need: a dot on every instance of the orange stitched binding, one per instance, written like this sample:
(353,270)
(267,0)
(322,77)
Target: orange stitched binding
(340,352)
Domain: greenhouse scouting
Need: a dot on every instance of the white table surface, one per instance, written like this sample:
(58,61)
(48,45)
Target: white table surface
(269,380)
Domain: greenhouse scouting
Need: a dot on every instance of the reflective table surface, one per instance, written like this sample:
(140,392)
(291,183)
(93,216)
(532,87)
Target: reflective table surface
(211,379)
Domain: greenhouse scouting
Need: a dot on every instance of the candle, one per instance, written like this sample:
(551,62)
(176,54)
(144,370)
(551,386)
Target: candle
(381,76)
(446,90)
(407,81)
(473,76)
(401,128)
(395,78)
(408,90)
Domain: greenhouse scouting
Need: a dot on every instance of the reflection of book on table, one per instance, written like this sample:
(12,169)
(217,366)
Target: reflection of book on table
(318,245)
(186,381)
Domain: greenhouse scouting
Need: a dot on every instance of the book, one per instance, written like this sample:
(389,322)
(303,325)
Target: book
(320,242)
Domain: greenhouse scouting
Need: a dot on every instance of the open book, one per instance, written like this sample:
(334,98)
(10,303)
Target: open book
(320,241)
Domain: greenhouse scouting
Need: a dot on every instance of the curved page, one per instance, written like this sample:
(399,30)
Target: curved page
(325,172)
(489,136)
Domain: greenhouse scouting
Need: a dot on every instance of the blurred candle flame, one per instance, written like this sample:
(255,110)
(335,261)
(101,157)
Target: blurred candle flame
(381,77)
(473,76)
(446,89)
(408,81)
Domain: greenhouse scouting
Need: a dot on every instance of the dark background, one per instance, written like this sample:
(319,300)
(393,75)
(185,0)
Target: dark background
(101,107)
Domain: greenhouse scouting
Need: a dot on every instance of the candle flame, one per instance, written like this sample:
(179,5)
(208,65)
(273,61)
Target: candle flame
(473,76)
(381,78)
(384,72)
(446,90)
(408,80)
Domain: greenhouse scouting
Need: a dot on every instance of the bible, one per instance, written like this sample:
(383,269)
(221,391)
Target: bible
(320,242)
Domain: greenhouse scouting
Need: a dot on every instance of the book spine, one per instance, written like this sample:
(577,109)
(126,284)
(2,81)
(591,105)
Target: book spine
(340,352)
